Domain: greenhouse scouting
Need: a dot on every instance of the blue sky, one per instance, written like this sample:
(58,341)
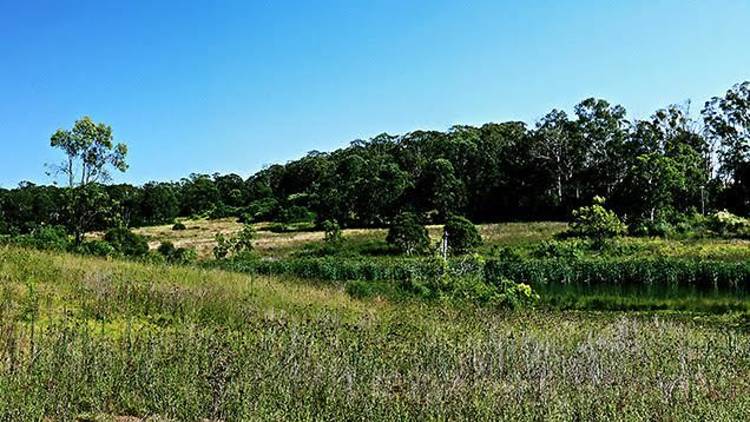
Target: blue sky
(231,86)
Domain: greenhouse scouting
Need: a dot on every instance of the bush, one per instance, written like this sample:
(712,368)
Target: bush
(45,237)
(332,231)
(126,242)
(178,227)
(174,255)
(463,235)
(568,249)
(184,256)
(727,224)
(408,235)
(166,248)
(237,244)
(359,289)
(96,248)
(596,222)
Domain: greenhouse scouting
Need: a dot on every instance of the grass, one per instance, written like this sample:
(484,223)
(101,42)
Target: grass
(526,236)
(92,338)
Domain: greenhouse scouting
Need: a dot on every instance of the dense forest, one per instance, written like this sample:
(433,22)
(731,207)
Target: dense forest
(659,169)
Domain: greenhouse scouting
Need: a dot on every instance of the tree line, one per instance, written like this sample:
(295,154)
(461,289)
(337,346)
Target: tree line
(657,169)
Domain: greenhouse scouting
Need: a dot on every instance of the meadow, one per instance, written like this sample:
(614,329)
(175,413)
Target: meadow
(99,339)
(703,274)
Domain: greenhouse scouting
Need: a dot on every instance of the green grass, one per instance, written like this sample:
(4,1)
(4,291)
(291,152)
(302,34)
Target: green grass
(84,337)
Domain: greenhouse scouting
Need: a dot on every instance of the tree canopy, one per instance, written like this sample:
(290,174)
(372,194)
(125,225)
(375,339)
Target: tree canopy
(673,162)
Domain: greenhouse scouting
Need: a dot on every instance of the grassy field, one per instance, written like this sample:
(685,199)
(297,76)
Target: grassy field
(97,339)
(199,234)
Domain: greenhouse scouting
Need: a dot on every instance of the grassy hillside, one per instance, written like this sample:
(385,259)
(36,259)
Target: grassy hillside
(92,338)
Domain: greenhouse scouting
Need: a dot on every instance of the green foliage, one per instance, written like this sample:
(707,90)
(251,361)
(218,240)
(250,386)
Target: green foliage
(295,214)
(237,244)
(408,235)
(45,238)
(175,255)
(89,149)
(466,280)
(703,274)
(221,210)
(567,249)
(98,248)
(463,235)
(596,222)
(727,224)
(332,232)
(126,242)
(261,210)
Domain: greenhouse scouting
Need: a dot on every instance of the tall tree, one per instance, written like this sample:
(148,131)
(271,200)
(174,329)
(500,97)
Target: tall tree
(560,150)
(90,151)
(727,122)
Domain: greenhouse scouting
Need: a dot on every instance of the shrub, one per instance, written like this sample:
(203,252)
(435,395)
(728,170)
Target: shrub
(175,255)
(727,224)
(178,227)
(45,237)
(237,244)
(332,232)
(408,235)
(568,249)
(126,242)
(463,235)
(167,249)
(97,248)
(596,222)
(184,256)
(659,228)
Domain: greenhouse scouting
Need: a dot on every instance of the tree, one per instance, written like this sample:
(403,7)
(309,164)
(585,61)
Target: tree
(408,235)
(727,122)
(462,234)
(603,132)
(199,194)
(90,151)
(443,191)
(159,203)
(87,208)
(559,150)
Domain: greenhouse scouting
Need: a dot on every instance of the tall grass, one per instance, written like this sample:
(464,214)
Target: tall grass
(84,337)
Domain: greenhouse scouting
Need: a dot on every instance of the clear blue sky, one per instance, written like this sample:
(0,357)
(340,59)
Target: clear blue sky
(230,86)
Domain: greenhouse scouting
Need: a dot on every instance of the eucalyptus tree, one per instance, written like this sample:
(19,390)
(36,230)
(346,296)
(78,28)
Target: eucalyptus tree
(90,154)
